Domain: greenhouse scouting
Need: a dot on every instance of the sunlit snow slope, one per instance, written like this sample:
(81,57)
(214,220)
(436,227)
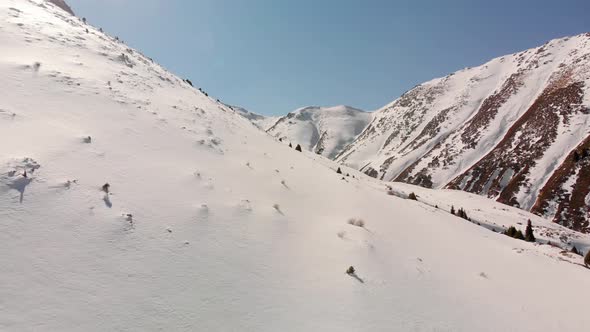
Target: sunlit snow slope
(211,224)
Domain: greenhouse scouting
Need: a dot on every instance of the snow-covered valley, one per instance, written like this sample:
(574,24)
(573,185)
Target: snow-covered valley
(210,224)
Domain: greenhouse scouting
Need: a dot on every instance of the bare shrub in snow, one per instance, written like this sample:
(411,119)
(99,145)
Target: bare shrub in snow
(36,66)
(356,222)
(278,208)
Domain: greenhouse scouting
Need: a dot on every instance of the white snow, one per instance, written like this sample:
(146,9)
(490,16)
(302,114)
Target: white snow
(321,129)
(212,225)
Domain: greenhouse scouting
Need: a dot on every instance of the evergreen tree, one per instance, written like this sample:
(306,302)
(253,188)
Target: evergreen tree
(462,214)
(290,145)
(298,148)
(413,196)
(453,210)
(339,171)
(511,231)
(519,235)
(587,259)
(529,236)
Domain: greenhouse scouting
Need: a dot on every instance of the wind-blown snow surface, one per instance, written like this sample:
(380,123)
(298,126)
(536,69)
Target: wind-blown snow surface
(323,130)
(211,224)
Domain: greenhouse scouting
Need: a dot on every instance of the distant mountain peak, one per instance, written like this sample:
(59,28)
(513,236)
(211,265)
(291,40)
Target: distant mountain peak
(325,130)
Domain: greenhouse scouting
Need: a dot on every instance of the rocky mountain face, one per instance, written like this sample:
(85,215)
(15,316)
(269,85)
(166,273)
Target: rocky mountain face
(516,129)
(63,5)
(323,130)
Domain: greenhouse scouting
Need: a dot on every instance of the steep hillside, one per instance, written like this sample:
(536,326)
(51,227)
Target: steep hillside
(130,201)
(502,130)
(323,130)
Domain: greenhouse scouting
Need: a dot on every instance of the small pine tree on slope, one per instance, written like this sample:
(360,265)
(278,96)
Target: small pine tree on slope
(528,234)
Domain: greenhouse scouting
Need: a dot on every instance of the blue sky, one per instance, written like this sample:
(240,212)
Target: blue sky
(272,56)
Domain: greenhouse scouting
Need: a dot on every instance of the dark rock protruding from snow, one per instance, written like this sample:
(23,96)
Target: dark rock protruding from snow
(63,5)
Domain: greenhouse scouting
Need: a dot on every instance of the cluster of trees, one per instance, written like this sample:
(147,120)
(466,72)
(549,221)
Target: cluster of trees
(528,235)
(461,213)
(514,233)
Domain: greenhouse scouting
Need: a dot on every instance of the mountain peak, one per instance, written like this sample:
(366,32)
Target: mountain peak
(325,130)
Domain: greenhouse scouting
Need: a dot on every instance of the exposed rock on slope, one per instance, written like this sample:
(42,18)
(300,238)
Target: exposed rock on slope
(63,5)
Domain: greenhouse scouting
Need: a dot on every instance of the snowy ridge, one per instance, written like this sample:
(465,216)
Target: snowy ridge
(260,121)
(500,130)
(207,223)
(323,130)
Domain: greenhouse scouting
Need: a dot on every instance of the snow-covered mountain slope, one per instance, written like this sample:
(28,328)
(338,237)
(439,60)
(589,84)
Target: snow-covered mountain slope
(508,130)
(260,121)
(211,224)
(323,130)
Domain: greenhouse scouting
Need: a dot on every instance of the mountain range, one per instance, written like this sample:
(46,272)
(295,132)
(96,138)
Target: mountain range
(515,129)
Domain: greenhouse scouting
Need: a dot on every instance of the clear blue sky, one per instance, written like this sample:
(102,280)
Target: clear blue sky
(272,56)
